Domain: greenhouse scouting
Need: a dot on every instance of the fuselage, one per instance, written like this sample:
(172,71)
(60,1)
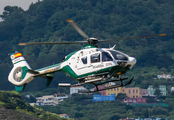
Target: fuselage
(92,62)
(88,64)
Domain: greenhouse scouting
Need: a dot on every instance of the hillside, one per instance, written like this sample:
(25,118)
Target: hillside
(12,107)
(8,114)
(81,107)
(45,21)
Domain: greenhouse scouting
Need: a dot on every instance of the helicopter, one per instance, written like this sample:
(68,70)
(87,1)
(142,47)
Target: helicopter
(90,65)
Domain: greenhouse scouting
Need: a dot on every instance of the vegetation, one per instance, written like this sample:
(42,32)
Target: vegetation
(45,21)
(82,108)
(11,100)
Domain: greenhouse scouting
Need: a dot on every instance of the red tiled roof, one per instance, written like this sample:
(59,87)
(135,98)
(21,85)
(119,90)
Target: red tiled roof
(62,114)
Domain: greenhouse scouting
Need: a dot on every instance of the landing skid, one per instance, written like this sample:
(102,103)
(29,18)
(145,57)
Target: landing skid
(109,87)
(97,84)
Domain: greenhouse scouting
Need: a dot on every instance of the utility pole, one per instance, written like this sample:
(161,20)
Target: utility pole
(149,113)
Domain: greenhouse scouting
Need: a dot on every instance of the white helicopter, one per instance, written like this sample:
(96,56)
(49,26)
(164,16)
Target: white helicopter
(90,65)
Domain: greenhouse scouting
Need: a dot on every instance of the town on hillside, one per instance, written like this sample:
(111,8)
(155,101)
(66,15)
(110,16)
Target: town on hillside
(134,96)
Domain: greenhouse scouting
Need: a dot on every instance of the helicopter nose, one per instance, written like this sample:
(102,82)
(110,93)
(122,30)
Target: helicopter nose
(132,61)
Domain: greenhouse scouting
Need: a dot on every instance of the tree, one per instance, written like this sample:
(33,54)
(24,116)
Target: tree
(121,96)
(157,92)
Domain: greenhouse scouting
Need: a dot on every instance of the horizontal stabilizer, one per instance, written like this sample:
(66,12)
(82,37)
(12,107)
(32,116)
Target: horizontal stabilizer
(64,84)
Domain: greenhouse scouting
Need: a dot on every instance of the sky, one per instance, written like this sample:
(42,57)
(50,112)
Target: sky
(24,4)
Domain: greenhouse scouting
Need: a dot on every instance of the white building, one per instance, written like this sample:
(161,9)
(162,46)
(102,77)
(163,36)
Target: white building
(47,100)
(61,98)
(64,115)
(172,89)
(164,76)
(75,89)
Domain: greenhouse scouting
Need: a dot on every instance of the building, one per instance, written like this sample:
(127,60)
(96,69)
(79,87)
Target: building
(172,89)
(61,98)
(114,91)
(145,92)
(64,115)
(47,100)
(164,76)
(76,89)
(151,90)
(32,104)
(162,88)
(134,92)
(103,92)
(134,100)
(103,98)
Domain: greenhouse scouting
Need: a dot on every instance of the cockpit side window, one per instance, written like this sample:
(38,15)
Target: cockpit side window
(95,58)
(118,55)
(84,60)
(106,57)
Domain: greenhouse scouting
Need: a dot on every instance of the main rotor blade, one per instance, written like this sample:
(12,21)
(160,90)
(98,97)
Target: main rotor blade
(77,28)
(52,43)
(99,41)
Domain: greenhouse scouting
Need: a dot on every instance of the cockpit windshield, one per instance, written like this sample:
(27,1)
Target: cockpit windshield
(118,55)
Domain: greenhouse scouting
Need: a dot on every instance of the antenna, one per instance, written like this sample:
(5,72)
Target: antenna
(113,47)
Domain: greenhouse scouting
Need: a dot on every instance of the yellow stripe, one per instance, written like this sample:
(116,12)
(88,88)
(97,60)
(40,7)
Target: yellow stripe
(17,55)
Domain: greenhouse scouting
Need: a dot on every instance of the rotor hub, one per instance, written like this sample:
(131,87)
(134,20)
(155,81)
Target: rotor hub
(92,40)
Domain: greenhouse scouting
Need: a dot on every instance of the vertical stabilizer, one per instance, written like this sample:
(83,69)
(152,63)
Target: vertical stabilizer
(19,75)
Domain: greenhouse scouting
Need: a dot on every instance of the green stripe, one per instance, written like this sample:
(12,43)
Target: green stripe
(24,72)
(20,88)
(13,53)
(69,55)
(17,57)
(48,67)
(18,61)
(89,46)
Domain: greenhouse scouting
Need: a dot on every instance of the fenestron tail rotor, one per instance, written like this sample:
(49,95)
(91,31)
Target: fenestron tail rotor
(89,40)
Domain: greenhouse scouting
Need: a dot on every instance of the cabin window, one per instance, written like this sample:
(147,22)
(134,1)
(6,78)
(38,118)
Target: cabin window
(95,58)
(84,60)
(106,57)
